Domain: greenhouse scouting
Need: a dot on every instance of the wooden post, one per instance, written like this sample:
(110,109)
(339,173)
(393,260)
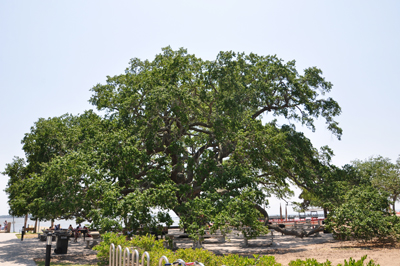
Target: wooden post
(286,212)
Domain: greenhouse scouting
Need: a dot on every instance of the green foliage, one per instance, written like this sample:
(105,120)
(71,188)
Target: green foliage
(79,220)
(46,182)
(179,134)
(309,262)
(353,262)
(241,214)
(199,213)
(103,248)
(18,187)
(383,175)
(364,215)
(314,262)
(156,250)
(236,260)
(191,255)
(329,191)
(146,243)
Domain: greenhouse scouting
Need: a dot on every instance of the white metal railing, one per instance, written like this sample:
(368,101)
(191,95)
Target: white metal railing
(163,258)
(111,257)
(117,257)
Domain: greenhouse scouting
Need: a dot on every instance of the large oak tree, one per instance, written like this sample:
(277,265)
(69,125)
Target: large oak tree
(189,135)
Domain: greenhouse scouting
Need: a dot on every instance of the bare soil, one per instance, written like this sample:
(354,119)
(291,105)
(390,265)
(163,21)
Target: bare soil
(339,251)
(288,248)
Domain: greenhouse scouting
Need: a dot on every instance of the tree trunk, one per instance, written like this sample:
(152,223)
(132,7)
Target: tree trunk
(299,233)
(263,212)
(35,228)
(26,220)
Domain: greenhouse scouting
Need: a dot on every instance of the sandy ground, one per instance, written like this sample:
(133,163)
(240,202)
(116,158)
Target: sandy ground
(288,248)
(13,251)
(284,248)
(338,252)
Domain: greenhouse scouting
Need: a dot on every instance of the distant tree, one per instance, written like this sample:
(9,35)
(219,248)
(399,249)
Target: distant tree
(383,174)
(364,215)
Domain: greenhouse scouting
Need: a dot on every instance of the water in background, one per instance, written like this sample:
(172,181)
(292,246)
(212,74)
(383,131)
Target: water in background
(19,222)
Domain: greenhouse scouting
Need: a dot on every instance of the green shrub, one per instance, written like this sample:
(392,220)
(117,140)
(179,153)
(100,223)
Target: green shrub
(104,247)
(365,216)
(236,260)
(314,262)
(309,262)
(156,250)
(146,243)
(191,255)
(353,262)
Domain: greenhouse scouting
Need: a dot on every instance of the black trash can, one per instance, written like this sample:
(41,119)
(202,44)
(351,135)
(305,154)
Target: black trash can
(62,243)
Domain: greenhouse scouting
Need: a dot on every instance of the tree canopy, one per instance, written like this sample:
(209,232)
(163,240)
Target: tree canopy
(365,215)
(383,175)
(331,188)
(180,133)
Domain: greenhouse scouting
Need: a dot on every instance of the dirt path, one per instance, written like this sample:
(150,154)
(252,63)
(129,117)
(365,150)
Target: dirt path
(288,248)
(337,252)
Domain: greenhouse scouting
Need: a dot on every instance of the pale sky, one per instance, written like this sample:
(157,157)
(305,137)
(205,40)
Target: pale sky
(53,52)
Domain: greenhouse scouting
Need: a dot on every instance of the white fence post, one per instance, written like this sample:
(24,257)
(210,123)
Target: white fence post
(181,261)
(135,255)
(163,258)
(116,257)
(118,261)
(146,254)
(126,258)
(112,255)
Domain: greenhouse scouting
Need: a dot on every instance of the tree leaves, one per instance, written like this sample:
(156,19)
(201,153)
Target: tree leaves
(183,134)
(364,215)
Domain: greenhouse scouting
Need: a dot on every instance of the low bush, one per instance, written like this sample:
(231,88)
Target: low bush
(364,216)
(314,262)
(309,262)
(104,247)
(156,249)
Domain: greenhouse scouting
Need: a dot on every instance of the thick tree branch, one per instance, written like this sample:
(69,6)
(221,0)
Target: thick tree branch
(201,130)
(300,232)
(199,124)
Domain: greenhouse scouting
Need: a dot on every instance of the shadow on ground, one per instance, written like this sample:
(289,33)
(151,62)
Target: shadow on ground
(14,251)
(263,245)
